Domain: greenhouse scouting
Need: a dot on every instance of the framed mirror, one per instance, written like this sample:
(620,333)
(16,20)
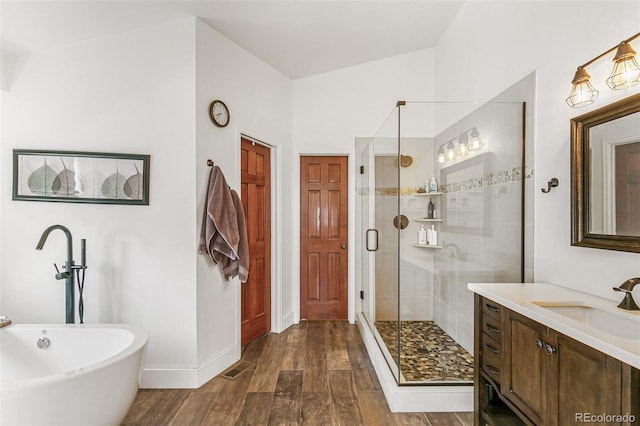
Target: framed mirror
(605,177)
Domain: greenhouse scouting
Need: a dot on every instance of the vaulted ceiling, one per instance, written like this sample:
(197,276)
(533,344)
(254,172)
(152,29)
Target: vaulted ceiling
(298,38)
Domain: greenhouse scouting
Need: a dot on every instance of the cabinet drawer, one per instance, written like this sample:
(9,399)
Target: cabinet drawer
(492,327)
(491,357)
(491,308)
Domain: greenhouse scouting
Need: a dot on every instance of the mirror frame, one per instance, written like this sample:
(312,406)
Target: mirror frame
(581,178)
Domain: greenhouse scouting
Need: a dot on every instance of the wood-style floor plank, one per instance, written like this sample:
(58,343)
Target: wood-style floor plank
(344,397)
(374,409)
(255,409)
(444,419)
(317,409)
(165,408)
(227,405)
(295,351)
(335,344)
(265,376)
(144,401)
(411,419)
(314,373)
(287,399)
(363,372)
(193,409)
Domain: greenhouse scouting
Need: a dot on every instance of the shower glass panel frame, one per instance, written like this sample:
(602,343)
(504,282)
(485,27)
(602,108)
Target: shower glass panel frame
(414,296)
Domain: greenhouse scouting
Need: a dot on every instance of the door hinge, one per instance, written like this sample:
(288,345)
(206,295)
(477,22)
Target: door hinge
(362,294)
(361,170)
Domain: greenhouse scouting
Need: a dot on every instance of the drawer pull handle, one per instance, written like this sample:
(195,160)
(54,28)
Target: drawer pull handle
(549,349)
(492,370)
(493,308)
(539,343)
(492,349)
(493,329)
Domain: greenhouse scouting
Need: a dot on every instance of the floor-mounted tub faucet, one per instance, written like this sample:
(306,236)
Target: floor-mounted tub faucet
(627,287)
(68,267)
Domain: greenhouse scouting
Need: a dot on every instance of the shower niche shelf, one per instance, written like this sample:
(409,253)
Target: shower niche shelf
(425,194)
(427,246)
(424,219)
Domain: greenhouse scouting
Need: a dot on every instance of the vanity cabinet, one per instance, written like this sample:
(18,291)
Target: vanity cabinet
(543,377)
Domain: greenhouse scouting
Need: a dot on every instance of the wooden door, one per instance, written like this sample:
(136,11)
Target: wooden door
(256,201)
(627,189)
(323,237)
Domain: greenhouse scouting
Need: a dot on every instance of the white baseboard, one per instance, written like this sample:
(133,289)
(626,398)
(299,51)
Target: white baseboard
(287,321)
(189,378)
(407,399)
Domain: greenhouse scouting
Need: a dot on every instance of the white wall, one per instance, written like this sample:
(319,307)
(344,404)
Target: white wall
(491,45)
(132,93)
(330,110)
(259,99)
(145,91)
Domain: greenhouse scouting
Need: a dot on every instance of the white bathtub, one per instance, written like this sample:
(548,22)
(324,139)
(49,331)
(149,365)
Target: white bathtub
(88,375)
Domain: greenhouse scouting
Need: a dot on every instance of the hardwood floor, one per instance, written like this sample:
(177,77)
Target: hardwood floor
(314,373)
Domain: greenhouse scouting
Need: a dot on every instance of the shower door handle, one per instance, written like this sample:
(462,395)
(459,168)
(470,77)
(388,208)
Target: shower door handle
(372,243)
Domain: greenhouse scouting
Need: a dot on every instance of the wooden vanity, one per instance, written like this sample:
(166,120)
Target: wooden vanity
(529,372)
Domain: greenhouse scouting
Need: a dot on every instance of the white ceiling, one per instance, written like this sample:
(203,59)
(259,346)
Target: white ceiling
(299,38)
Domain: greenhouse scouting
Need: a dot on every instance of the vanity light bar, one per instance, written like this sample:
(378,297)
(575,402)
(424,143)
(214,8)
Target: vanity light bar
(625,73)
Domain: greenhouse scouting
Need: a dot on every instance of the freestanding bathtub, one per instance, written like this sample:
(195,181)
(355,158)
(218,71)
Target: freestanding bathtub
(68,374)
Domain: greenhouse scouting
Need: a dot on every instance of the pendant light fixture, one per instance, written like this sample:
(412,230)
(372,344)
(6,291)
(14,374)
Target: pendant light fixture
(626,73)
(582,92)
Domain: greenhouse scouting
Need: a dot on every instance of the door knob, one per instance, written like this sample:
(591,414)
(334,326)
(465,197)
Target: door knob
(343,246)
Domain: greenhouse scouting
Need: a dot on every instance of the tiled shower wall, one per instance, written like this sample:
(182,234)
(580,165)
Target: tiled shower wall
(484,245)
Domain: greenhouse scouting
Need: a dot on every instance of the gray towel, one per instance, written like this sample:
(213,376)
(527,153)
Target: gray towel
(223,235)
(219,232)
(238,267)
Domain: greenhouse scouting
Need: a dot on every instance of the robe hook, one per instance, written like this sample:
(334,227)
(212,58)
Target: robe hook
(210,163)
(551,184)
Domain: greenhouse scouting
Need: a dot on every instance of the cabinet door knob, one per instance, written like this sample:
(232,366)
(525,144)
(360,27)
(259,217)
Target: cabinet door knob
(549,349)
(539,343)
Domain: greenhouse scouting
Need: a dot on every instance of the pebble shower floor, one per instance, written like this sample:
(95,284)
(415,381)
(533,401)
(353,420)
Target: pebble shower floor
(427,353)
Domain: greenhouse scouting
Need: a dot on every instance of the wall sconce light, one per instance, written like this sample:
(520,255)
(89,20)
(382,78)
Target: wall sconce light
(626,73)
(467,142)
(476,142)
(441,156)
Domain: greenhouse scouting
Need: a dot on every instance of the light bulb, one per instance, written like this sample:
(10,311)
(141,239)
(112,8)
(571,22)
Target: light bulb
(582,92)
(626,71)
(451,151)
(441,156)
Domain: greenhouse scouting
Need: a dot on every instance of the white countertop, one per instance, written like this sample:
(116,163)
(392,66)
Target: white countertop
(520,297)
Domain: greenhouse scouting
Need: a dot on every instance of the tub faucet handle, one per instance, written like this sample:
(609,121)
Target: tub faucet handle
(61,275)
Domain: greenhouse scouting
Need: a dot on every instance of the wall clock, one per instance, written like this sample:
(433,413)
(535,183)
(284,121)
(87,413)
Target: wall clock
(219,113)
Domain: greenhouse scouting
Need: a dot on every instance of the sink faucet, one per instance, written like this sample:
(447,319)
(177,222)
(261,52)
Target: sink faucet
(627,287)
(67,275)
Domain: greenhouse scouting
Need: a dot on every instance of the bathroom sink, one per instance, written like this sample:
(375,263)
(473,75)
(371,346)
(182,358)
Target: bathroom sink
(611,322)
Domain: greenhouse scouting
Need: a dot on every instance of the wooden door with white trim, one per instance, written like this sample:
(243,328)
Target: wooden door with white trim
(256,200)
(627,189)
(323,237)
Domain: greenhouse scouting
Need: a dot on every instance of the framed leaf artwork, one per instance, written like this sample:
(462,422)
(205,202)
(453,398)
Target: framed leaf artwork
(80,177)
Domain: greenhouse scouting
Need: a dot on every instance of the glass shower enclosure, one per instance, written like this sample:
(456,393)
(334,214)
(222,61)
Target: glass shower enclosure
(441,204)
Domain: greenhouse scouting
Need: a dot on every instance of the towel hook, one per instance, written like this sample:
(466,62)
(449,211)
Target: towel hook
(551,184)
(210,163)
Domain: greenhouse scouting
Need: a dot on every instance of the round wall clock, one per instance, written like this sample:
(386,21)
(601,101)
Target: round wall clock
(219,113)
